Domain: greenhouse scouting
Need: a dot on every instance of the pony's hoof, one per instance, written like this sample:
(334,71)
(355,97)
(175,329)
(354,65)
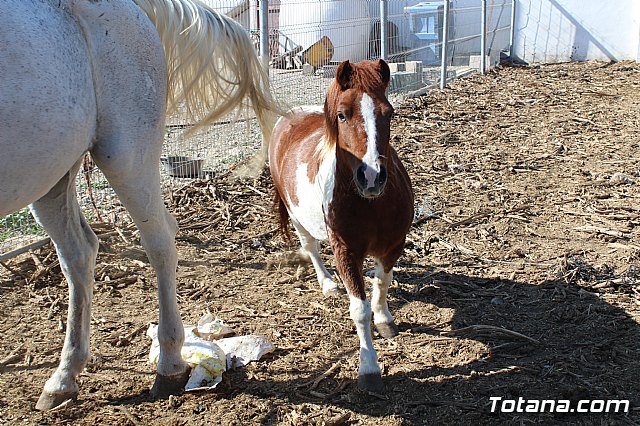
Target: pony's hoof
(49,401)
(387,329)
(333,292)
(169,385)
(331,289)
(371,382)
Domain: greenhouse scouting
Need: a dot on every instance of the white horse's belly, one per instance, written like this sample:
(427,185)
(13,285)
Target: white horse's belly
(47,101)
(314,197)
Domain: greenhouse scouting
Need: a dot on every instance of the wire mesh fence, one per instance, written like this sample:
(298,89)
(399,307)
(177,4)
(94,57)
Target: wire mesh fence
(307,41)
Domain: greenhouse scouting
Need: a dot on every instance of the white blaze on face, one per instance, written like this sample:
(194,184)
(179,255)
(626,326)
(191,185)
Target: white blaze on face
(371,156)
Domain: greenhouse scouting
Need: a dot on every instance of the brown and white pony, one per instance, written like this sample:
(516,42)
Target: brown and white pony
(337,178)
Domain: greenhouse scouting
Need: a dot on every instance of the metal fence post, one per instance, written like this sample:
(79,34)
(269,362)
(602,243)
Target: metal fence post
(264,33)
(483,38)
(253,15)
(512,31)
(384,18)
(444,41)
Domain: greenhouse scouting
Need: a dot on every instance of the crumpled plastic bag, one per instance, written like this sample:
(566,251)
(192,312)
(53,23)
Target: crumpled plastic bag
(208,355)
(210,328)
(241,350)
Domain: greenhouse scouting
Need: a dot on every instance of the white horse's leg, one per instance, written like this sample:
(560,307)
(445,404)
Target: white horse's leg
(77,246)
(138,186)
(130,84)
(382,317)
(310,248)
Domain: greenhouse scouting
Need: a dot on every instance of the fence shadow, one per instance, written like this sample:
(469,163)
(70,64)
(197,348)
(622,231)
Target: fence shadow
(588,350)
(582,38)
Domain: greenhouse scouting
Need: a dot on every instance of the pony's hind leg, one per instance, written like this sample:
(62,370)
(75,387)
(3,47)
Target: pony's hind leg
(310,248)
(138,186)
(382,318)
(77,246)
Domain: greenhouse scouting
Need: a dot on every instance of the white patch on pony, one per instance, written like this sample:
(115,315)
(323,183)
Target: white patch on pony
(381,282)
(360,312)
(310,248)
(371,156)
(314,197)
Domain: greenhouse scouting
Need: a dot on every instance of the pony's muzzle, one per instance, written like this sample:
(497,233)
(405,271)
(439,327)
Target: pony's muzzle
(370,183)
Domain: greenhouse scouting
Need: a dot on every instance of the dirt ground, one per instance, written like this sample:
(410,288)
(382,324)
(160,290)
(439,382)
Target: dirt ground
(520,278)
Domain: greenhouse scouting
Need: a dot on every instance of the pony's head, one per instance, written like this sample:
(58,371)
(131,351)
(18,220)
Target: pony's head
(358,117)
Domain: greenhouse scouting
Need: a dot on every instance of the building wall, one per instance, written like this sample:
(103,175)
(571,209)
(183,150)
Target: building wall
(565,30)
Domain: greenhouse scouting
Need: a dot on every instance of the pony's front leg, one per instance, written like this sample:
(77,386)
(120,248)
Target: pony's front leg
(382,318)
(369,375)
(350,269)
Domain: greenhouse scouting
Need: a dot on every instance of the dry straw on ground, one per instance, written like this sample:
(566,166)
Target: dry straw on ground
(520,277)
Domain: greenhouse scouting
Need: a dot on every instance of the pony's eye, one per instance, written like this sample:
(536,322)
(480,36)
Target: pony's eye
(341,117)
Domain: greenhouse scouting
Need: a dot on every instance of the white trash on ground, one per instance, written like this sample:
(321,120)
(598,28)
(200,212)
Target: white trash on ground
(241,350)
(210,352)
(621,179)
(210,328)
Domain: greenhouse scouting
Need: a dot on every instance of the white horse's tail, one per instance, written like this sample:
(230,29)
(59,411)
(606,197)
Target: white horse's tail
(212,65)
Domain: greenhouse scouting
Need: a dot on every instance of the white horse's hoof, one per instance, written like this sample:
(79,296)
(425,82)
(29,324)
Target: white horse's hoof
(371,382)
(169,385)
(49,401)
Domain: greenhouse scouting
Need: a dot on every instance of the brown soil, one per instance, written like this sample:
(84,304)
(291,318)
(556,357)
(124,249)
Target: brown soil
(528,184)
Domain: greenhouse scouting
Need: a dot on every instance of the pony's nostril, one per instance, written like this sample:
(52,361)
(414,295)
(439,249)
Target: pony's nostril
(360,177)
(382,176)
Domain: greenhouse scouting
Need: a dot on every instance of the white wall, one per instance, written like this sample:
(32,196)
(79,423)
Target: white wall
(564,30)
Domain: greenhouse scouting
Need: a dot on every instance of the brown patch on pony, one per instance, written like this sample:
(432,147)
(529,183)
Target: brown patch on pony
(280,209)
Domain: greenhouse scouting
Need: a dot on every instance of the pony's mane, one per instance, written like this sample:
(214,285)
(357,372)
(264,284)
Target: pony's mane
(323,148)
(365,77)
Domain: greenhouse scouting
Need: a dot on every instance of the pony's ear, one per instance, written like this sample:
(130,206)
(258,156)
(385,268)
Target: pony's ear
(385,72)
(343,75)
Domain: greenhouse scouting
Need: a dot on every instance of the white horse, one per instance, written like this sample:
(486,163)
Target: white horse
(99,76)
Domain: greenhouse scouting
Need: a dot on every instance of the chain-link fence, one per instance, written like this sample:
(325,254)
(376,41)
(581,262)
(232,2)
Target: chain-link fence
(307,39)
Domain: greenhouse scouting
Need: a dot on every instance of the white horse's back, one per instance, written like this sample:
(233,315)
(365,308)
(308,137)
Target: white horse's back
(47,101)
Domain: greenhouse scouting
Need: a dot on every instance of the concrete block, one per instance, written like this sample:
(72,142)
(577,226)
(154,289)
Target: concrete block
(474,61)
(397,67)
(308,69)
(405,81)
(414,66)
(329,70)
